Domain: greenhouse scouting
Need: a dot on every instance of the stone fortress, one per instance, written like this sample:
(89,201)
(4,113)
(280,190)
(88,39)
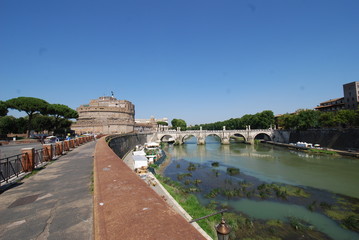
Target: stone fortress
(105,115)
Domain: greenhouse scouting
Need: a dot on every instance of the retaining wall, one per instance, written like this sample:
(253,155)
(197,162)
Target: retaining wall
(123,143)
(343,139)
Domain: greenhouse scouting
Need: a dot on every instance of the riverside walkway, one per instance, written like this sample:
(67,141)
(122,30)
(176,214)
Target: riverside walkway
(55,203)
(125,207)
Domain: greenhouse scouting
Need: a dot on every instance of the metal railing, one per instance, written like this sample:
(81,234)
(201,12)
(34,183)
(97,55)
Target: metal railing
(39,157)
(11,167)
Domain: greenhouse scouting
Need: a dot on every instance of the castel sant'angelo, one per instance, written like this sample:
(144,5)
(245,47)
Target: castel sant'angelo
(105,115)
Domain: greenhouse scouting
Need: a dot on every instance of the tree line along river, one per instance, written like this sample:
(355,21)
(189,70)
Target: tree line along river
(308,186)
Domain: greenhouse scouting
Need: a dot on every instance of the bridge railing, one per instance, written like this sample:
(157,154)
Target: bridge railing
(218,131)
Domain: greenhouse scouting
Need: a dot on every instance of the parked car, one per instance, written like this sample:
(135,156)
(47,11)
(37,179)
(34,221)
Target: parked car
(51,139)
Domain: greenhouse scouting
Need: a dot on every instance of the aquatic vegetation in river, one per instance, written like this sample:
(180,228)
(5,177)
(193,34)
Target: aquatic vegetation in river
(312,206)
(351,222)
(183,175)
(213,193)
(299,224)
(233,171)
(215,164)
(197,181)
(191,167)
(216,172)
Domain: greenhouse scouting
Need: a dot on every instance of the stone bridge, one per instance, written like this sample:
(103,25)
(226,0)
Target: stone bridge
(248,134)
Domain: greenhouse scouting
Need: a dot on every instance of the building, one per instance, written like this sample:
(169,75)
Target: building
(349,101)
(331,105)
(150,124)
(351,95)
(105,115)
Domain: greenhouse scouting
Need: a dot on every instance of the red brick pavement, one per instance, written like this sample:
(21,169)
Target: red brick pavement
(125,207)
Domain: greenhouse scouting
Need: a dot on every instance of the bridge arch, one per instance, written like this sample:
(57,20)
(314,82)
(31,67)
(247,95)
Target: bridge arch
(213,134)
(263,136)
(187,136)
(238,137)
(167,138)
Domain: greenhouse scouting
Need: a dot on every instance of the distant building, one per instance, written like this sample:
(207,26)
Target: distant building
(331,105)
(349,101)
(351,95)
(105,115)
(150,124)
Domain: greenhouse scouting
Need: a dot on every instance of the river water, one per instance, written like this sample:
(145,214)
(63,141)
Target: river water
(269,164)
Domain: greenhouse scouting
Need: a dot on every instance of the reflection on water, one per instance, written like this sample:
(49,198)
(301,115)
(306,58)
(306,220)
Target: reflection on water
(275,164)
(272,164)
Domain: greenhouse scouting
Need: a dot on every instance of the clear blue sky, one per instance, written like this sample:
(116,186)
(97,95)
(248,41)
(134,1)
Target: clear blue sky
(198,60)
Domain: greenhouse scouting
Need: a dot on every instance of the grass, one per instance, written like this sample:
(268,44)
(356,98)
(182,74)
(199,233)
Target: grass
(274,222)
(92,186)
(314,150)
(33,172)
(192,206)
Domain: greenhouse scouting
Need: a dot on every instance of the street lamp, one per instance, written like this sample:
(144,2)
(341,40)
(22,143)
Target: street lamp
(222,228)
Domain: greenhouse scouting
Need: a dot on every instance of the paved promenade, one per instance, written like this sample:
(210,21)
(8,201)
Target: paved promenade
(125,207)
(56,203)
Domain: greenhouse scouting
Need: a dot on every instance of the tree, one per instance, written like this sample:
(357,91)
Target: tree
(29,105)
(265,119)
(3,108)
(179,123)
(161,123)
(308,119)
(21,125)
(7,125)
(288,121)
(327,119)
(41,123)
(60,112)
(346,118)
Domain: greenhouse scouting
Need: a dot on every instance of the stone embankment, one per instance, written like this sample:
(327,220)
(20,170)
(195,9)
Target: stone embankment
(291,146)
(342,139)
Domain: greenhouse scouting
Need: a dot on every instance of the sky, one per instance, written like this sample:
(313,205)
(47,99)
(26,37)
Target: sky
(198,60)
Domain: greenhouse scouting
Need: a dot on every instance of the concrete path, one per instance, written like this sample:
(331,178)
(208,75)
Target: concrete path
(56,203)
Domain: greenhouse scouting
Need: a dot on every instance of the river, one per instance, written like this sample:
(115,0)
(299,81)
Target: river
(268,164)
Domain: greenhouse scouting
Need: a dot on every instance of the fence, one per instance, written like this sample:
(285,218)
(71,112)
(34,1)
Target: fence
(29,159)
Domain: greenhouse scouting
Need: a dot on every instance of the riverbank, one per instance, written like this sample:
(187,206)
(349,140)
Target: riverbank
(271,185)
(314,150)
(156,186)
(217,189)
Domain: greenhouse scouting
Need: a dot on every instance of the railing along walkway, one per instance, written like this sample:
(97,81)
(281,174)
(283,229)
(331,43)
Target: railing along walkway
(13,166)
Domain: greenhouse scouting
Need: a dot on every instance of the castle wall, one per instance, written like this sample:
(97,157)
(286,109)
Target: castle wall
(105,115)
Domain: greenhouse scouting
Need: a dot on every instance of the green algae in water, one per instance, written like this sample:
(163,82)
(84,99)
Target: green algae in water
(272,210)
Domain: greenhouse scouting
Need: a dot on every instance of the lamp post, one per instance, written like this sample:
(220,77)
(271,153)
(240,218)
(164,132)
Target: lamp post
(223,230)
